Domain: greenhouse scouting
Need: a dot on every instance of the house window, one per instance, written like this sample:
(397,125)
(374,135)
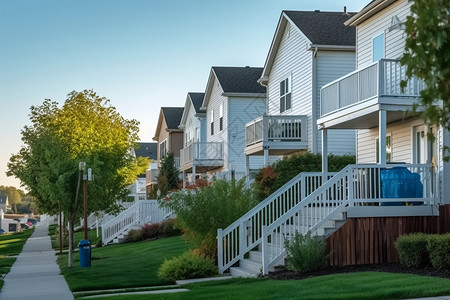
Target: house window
(221,117)
(163,149)
(378,47)
(212,122)
(285,95)
(388,149)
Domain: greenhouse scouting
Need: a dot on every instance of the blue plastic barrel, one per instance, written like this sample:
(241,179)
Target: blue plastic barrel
(84,247)
(399,182)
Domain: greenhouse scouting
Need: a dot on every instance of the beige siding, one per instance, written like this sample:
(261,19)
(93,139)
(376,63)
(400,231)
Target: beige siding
(401,141)
(176,143)
(377,24)
(163,134)
(293,58)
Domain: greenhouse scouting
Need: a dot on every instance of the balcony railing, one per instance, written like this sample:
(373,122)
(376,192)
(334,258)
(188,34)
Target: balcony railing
(197,150)
(380,79)
(276,128)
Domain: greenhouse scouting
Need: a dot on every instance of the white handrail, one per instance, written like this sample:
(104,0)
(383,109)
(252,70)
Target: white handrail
(353,185)
(140,213)
(245,233)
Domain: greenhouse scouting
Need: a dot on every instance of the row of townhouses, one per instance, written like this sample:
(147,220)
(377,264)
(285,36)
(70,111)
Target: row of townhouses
(330,84)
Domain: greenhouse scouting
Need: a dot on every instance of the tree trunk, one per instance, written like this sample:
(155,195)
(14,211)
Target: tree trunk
(70,243)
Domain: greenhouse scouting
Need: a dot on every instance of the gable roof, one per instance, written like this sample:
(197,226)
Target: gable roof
(235,81)
(3,199)
(321,29)
(324,27)
(172,118)
(194,100)
(147,150)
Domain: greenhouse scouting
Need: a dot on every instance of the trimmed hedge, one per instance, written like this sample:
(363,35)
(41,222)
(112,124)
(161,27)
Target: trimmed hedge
(438,247)
(412,250)
(420,250)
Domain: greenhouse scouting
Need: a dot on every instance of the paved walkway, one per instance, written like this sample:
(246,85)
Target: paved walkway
(35,274)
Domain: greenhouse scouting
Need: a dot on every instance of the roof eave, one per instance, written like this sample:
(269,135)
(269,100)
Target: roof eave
(368,11)
(333,47)
(245,95)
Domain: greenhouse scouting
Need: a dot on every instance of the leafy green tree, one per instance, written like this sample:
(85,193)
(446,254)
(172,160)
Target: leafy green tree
(427,56)
(85,128)
(14,196)
(168,175)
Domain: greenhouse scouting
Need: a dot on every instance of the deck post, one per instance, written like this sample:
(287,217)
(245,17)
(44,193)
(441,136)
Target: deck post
(266,156)
(220,251)
(382,136)
(265,251)
(247,165)
(324,154)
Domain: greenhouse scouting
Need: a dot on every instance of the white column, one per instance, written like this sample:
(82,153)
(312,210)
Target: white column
(324,151)
(193,172)
(184,179)
(382,136)
(266,156)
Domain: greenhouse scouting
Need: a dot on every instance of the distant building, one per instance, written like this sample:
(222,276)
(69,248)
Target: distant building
(4,203)
(137,190)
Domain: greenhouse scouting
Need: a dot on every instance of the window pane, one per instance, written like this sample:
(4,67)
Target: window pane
(288,101)
(282,90)
(288,85)
(282,106)
(378,47)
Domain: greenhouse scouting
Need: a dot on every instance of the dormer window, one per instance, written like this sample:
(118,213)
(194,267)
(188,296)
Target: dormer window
(285,94)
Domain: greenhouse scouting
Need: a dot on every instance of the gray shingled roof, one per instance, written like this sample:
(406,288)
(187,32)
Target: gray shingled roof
(197,100)
(239,79)
(172,115)
(324,28)
(146,150)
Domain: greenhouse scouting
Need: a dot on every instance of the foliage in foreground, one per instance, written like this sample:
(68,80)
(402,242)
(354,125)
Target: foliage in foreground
(271,178)
(202,211)
(305,253)
(187,266)
(426,56)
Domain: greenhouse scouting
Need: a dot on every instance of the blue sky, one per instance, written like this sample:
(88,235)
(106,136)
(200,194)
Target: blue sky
(141,54)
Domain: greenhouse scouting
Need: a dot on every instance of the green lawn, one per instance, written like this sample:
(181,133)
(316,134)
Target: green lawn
(125,265)
(364,285)
(10,245)
(78,236)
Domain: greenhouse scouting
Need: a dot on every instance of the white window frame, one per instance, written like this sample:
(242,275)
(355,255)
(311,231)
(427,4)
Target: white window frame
(211,122)
(388,148)
(162,153)
(374,39)
(285,96)
(221,117)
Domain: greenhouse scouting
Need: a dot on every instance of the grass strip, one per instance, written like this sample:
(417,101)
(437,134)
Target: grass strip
(126,290)
(364,285)
(123,266)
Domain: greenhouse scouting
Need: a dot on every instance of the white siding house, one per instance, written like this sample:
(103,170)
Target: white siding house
(233,97)
(309,49)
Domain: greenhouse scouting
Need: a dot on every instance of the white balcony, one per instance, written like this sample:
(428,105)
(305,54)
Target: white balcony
(352,100)
(201,156)
(279,134)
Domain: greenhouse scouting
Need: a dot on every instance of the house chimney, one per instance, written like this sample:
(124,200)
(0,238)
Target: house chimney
(247,66)
(317,10)
(345,10)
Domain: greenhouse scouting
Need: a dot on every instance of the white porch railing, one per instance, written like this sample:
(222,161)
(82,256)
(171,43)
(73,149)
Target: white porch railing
(140,213)
(245,233)
(381,78)
(354,185)
(276,128)
(199,150)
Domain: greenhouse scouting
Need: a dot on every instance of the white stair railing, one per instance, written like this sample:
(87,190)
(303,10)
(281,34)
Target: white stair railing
(245,233)
(353,186)
(140,213)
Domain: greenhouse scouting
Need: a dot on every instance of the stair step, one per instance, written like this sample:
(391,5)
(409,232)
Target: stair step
(250,265)
(241,272)
(256,256)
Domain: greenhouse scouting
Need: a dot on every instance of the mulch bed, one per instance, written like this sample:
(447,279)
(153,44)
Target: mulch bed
(281,273)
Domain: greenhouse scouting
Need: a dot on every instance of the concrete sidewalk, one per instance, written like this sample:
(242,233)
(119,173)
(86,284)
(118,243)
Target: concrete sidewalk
(35,274)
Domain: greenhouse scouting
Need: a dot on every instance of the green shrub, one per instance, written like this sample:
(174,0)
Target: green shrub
(150,231)
(271,178)
(305,253)
(438,247)
(412,250)
(202,211)
(186,266)
(168,228)
(134,235)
